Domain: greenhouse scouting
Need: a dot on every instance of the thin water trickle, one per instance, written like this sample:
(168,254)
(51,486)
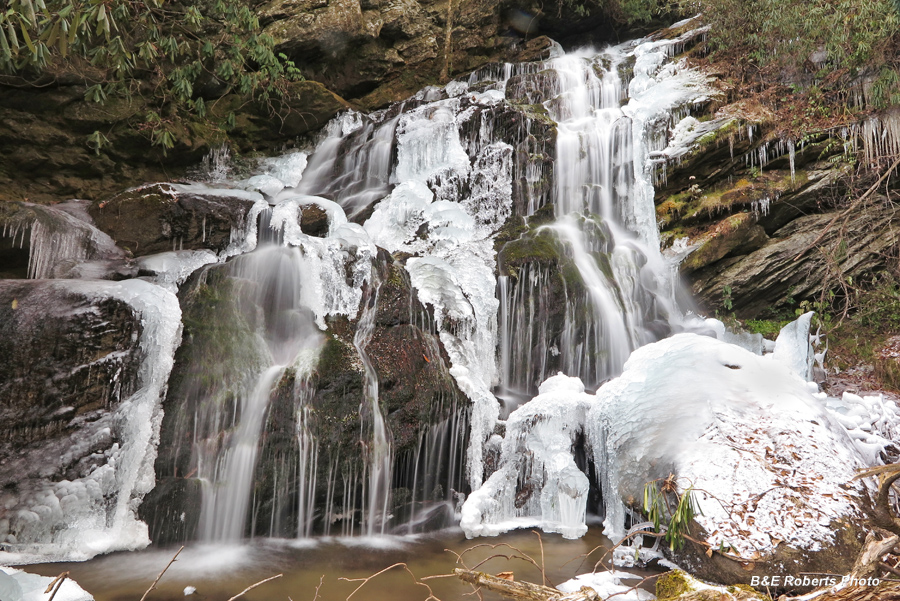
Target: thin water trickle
(378,455)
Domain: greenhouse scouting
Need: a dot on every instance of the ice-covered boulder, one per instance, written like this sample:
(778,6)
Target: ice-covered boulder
(16,585)
(83,367)
(537,483)
(770,467)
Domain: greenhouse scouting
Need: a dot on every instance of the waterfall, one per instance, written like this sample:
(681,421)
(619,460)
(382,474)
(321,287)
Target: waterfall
(286,336)
(379,459)
(518,205)
(563,147)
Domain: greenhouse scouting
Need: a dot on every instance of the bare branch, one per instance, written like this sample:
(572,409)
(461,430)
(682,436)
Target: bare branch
(57,582)
(253,586)
(171,561)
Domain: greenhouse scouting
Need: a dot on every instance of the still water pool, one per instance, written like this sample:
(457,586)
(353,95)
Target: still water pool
(313,568)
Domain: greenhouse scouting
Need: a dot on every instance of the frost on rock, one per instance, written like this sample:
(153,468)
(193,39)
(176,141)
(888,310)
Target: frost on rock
(537,483)
(171,269)
(58,240)
(745,431)
(872,421)
(428,214)
(78,518)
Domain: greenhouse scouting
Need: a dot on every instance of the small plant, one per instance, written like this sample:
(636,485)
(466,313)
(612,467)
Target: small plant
(727,301)
(657,507)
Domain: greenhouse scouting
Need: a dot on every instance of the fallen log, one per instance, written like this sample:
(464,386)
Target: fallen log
(523,590)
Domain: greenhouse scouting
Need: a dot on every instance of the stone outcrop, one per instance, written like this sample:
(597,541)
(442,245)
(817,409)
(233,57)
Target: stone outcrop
(750,231)
(44,132)
(164,217)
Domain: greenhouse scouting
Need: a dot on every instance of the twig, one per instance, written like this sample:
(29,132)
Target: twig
(543,565)
(171,561)
(365,581)
(253,586)
(849,209)
(635,587)
(58,582)
(322,579)
(890,569)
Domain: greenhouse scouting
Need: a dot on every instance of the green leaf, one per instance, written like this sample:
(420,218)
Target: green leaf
(13,39)
(4,45)
(29,17)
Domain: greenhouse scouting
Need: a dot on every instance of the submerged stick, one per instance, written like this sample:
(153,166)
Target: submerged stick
(171,561)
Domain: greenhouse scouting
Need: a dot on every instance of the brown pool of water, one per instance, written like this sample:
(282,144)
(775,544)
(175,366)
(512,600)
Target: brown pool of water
(320,569)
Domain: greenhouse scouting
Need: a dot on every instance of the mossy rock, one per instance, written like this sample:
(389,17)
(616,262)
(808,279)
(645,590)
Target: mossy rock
(678,584)
(735,235)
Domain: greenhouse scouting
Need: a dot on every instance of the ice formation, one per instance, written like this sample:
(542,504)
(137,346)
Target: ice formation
(609,584)
(743,430)
(83,517)
(16,585)
(537,482)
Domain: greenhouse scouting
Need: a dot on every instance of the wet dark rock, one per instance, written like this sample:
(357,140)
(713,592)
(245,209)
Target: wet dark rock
(313,221)
(165,217)
(218,343)
(67,358)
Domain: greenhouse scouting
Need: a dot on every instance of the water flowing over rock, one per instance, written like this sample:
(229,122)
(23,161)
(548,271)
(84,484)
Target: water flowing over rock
(372,325)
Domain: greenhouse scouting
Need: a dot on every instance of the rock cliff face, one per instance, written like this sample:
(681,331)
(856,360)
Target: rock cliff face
(371,52)
(764,225)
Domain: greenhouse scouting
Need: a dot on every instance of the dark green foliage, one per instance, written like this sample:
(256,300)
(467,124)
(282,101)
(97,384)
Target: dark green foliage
(189,54)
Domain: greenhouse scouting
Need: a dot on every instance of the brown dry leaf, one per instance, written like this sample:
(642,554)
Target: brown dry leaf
(506,575)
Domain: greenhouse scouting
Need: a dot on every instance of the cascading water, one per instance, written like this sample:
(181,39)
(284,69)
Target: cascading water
(518,205)
(290,338)
(436,179)
(379,460)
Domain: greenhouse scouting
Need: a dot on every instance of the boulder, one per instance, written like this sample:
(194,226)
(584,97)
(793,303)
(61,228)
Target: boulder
(166,217)
(83,365)
(769,468)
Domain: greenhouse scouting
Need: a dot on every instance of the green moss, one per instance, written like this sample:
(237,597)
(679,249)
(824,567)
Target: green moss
(546,214)
(673,584)
(734,589)
(538,246)
(769,328)
(511,230)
